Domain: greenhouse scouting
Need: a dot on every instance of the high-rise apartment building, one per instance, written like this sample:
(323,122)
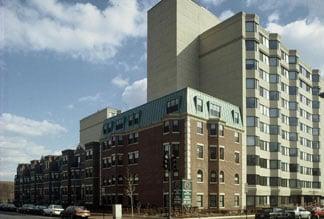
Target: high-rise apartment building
(239,61)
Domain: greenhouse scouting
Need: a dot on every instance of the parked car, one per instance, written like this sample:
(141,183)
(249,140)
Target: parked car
(75,212)
(300,212)
(273,213)
(53,210)
(38,209)
(26,208)
(9,207)
(317,213)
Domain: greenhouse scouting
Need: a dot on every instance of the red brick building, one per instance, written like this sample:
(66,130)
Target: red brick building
(205,136)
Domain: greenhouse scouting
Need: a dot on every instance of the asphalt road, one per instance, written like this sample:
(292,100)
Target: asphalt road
(15,215)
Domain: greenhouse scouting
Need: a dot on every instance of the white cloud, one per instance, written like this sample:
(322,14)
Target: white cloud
(79,30)
(306,36)
(135,93)
(94,98)
(16,150)
(70,106)
(226,14)
(213,2)
(119,81)
(10,123)
(274,17)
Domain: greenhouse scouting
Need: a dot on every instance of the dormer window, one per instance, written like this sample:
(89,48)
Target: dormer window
(136,120)
(199,105)
(172,106)
(130,120)
(119,124)
(215,110)
(236,117)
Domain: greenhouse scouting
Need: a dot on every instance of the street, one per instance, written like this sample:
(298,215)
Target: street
(15,215)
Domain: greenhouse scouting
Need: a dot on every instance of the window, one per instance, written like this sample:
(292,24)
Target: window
(273,44)
(213,176)
(293,90)
(237,157)
(166,128)
(130,120)
(292,59)
(213,152)
(316,91)
(316,131)
(236,118)
(200,151)
(136,120)
(221,177)
(264,58)
(213,129)
(315,118)
(200,128)
(212,201)
(274,146)
(221,153)
(250,45)
(274,95)
(274,78)
(236,179)
(221,130)
(264,110)
(200,201)
(172,106)
(199,105)
(315,104)
(263,163)
(292,75)
(251,64)
(293,121)
(215,110)
(273,61)
(274,112)
(274,164)
(250,26)
(199,176)
(293,152)
(252,160)
(293,105)
(237,137)
(251,83)
(175,125)
(315,78)
(251,102)
(236,200)
(222,201)
(119,124)
(264,41)
(251,140)
(274,129)
(252,121)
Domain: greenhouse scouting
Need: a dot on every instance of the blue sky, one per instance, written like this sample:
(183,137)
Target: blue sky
(62,60)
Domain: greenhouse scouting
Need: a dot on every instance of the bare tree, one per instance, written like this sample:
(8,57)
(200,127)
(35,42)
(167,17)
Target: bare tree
(130,187)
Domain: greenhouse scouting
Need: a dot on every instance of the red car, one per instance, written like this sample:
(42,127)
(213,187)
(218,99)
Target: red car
(317,213)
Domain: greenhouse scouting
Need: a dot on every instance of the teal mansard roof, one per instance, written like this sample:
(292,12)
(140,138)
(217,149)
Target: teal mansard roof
(186,100)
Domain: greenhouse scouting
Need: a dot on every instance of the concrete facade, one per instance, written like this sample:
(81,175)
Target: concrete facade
(241,62)
(174,27)
(90,126)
